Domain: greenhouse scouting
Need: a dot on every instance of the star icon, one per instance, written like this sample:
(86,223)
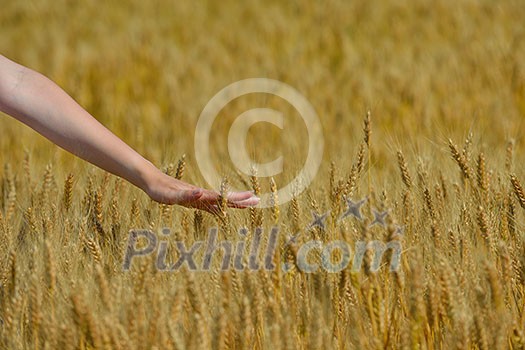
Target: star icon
(291,240)
(400,230)
(354,209)
(379,218)
(318,220)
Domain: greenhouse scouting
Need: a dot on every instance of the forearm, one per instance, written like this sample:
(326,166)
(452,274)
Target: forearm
(41,104)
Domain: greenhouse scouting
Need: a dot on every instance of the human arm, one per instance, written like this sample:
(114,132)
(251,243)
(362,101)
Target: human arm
(39,103)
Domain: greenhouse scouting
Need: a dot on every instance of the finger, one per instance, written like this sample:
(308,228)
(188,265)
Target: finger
(253,201)
(235,200)
(232,196)
(239,196)
(214,210)
(250,202)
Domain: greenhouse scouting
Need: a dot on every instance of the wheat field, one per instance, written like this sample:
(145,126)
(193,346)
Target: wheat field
(422,105)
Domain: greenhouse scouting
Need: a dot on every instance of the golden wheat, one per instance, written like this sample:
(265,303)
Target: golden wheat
(430,73)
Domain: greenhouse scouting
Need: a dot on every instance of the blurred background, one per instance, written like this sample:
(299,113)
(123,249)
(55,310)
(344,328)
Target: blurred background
(427,71)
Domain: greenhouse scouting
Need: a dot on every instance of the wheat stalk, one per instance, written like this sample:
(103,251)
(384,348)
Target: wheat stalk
(518,190)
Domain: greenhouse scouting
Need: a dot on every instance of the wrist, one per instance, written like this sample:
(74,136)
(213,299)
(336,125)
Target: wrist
(148,176)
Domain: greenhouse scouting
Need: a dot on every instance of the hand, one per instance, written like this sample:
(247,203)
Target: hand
(165,189)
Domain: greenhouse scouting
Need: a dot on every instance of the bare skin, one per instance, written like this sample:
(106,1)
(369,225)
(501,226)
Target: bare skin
(38,102)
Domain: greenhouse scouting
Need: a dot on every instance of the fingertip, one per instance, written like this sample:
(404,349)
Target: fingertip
(250,202)
(239,196)
(196,195)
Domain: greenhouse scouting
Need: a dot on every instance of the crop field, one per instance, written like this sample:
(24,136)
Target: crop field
(422,109)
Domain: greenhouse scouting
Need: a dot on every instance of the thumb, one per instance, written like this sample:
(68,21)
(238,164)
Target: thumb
(187,196)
